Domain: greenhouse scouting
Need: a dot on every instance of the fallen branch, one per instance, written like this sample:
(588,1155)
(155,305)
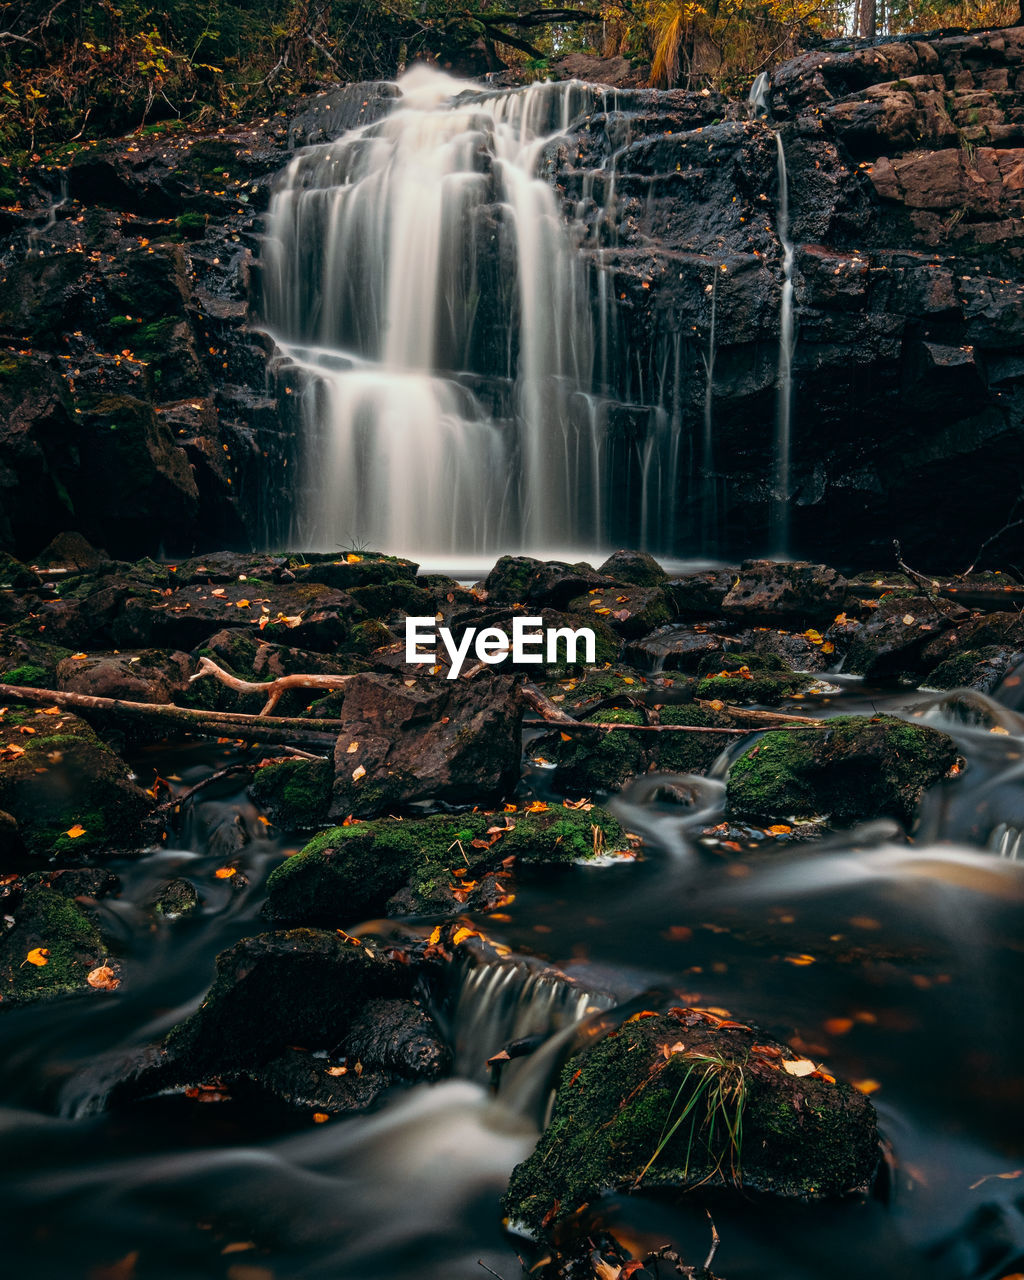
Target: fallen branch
(207,724)
(758,721)
(275,688)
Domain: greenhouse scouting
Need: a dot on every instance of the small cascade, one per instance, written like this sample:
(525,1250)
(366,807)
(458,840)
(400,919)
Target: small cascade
(494,1005)
(709,500)
(784,385)
(37,235)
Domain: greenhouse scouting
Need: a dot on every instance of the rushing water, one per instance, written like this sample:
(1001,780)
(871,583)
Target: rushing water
(427,283)
(787,342)
(914,981)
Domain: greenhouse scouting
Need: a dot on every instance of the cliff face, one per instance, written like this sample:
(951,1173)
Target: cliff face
(135,403)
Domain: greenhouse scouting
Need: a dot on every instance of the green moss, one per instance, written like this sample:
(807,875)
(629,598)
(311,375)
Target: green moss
(350,872)
(294,794)
(689,752)
(707,1114)
(28,675)
(854,769)
(752,677)
(591,762)
(49,921)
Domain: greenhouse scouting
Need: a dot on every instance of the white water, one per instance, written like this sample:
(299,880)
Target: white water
(422,278)
(784,385)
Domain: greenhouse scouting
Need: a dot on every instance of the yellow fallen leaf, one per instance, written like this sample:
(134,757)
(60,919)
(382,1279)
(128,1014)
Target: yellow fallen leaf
(225,873)
(79,656)
(435,936)
(51,711)
(38,956)
(358,773)
(74,832)
(460,935)
(352,559)
(352,748)
(799,1067)
(908,619)
(867,1086)
(998,728)
(800,960)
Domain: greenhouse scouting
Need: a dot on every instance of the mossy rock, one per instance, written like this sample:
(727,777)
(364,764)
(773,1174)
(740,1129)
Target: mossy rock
(636,567)
(690,752)
(51,928)
(855,769)
(614,1123)
(30,662)
(748,677)
(294,794)
(629,610)
(58,778)
(981,669)
(591,762)
(351,872)
(384,599)
(178,897)
(16,575)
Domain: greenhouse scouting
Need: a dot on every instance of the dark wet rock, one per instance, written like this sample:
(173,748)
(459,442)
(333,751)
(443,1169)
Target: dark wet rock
(84,615)
(768,591)
(747,677)
(636,567)
(589,763)
(980,669)
(855,769)
(345,573)
(387,599)
(351,872)
(12,847)
(71,551)
(16,576)
(178,897)
(621,1098)
(631,611)
(302,987)
(806,651)
(398,1037)
(455,741)
(315,1082)
(547,584)
(60,778)
(84,884)
(1002,629)
(294,794)
(597,686)
(699,595)
(149,675)
(51,949)
(675,648)
(892,638)
(30,662)
(307,615)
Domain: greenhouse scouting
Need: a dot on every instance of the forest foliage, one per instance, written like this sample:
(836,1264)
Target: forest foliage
(78,69)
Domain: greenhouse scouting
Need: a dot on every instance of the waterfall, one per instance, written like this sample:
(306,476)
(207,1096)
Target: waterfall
(709,504)
(784,384)
(422,278)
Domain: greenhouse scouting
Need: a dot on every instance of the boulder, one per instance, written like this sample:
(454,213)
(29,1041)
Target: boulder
(980,669)
(453,741)
(53,949)
(631,611)
(350,873)
(71,796)
(148,675)
(892,638)
(636,567)
(856,769)
(294,794)
(765,590)
(681,1100)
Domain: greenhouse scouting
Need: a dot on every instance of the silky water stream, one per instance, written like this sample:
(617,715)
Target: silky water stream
(895,963)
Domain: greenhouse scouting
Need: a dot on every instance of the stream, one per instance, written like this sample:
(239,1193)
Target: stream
(899,964)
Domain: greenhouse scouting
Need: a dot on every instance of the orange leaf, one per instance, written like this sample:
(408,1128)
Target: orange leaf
(74,832)
(103,978)
(225,873)
(38,956)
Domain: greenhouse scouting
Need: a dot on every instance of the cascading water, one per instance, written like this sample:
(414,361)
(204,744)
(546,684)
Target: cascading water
(424,281)
(784,389)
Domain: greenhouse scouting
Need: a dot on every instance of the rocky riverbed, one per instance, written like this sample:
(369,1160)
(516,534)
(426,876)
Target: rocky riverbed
(771,718)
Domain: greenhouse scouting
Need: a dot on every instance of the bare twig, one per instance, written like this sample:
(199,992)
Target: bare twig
(275,688)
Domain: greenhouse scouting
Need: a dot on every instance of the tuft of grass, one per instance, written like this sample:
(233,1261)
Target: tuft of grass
(713,1094)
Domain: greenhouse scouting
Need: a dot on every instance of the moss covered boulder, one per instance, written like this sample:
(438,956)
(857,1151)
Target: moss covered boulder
(630,610)
(294,794)
(69,793)
(589,762)
(981,669)
(854,769)
(680,1100)
(748,677)
(351,872)
(51,950)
